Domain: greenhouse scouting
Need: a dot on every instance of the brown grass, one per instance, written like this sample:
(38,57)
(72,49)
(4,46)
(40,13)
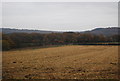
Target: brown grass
(65,62)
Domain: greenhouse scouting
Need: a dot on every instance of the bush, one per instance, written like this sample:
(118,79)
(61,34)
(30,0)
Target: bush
(5,45)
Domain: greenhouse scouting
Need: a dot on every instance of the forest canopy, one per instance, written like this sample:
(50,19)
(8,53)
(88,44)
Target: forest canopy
(20,40)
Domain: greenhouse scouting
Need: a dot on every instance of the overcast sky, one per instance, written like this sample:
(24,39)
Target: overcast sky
(60,0)
(77,16)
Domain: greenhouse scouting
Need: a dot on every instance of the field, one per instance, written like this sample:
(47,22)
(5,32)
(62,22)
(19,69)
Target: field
(65,62)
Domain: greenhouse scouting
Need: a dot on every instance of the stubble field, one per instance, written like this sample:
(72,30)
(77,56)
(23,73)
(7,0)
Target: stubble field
(65,62)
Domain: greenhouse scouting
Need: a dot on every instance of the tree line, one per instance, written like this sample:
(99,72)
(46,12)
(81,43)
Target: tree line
(19,40)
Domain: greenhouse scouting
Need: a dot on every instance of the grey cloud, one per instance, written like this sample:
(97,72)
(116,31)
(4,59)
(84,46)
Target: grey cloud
(60,16)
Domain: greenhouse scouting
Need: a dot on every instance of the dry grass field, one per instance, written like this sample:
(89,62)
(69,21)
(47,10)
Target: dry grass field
(65,62)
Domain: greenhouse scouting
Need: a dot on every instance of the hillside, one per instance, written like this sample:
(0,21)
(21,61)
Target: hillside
(105,31)
(8,30)
(97,31)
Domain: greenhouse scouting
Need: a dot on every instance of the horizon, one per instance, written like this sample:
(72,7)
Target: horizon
(57,30)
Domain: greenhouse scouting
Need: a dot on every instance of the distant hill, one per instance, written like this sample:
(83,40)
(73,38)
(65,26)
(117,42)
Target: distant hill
(8,30)
(97,31)
(104,31)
